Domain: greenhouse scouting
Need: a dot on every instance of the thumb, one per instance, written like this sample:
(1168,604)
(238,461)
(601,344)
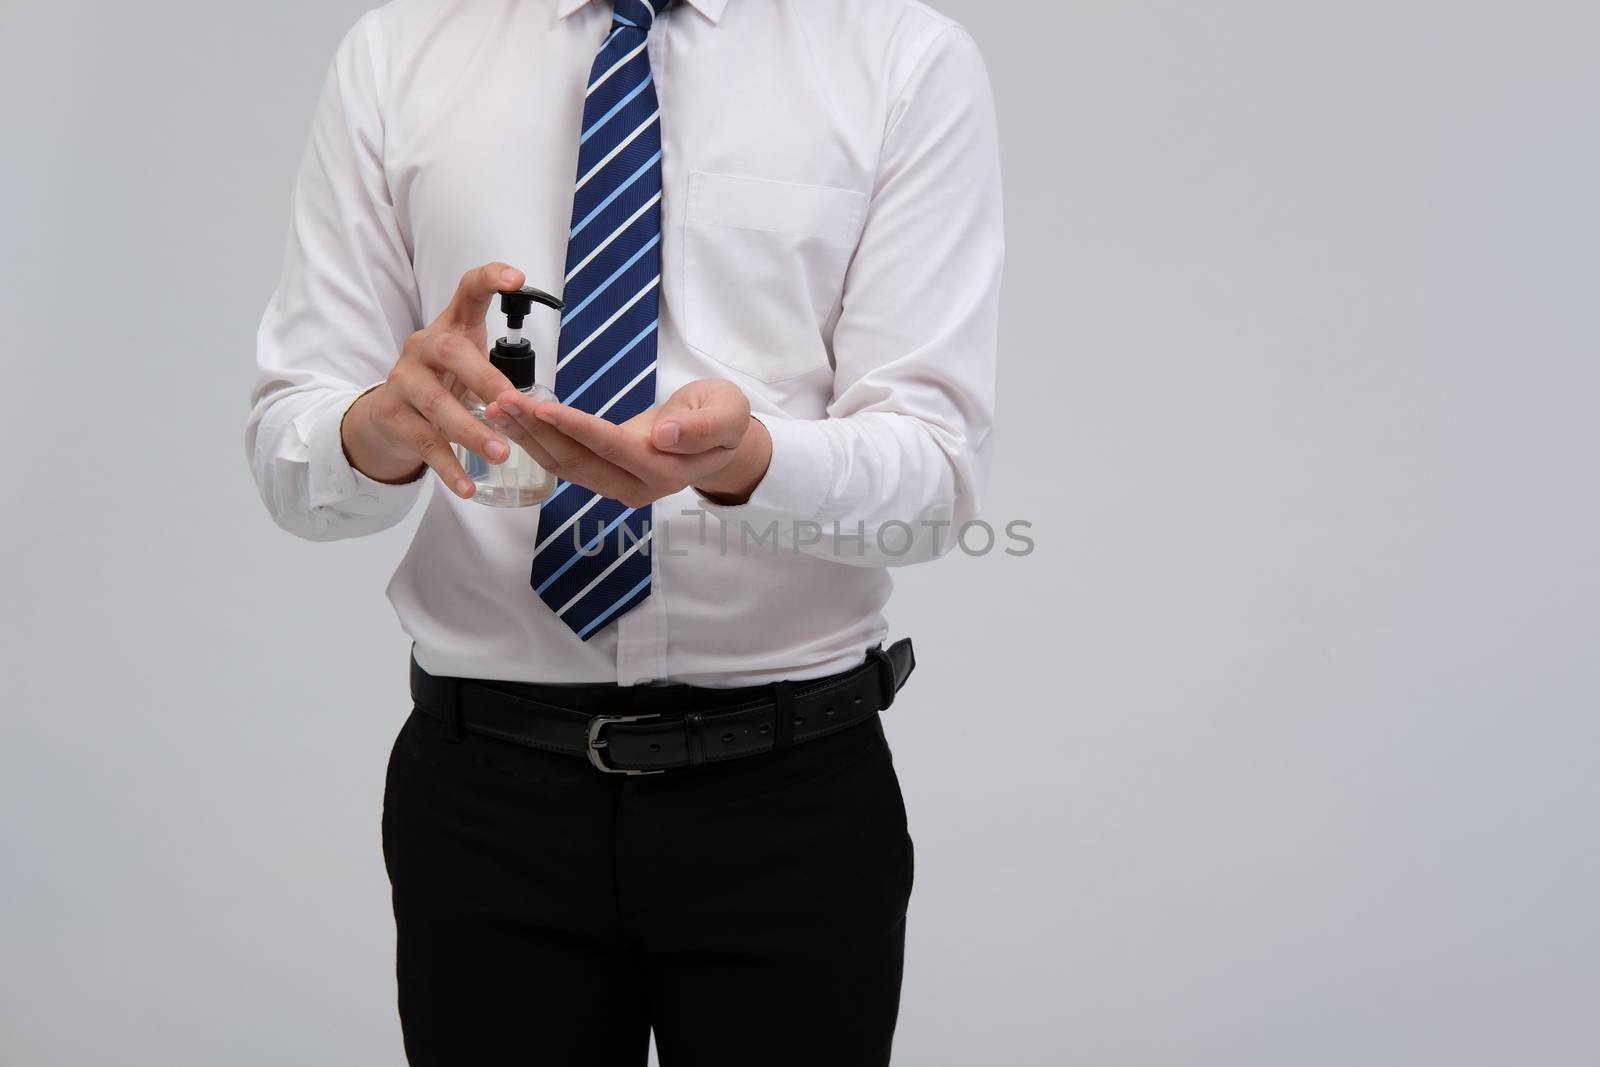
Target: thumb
(690,431)
(476,293)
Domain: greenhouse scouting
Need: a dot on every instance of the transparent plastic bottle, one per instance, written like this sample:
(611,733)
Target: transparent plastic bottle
(519,481)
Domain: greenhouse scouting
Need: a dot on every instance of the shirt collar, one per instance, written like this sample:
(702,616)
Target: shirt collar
(711,9)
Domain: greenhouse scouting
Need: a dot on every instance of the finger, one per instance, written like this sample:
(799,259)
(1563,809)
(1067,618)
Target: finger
(576,462)
(512,428)
(424,394)
(453,354)
(699,430)
(605,439)
(431,447)
(522,409)
(475,293)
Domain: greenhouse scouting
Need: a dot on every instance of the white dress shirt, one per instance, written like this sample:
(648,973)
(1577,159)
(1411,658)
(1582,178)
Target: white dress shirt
(831,242)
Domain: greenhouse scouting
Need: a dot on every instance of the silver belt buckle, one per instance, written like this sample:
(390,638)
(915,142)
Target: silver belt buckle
(598,742)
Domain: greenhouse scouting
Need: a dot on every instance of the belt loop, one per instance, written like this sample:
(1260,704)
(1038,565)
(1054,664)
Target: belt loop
(885,666)
(783,716)
(693,737)
(452,712)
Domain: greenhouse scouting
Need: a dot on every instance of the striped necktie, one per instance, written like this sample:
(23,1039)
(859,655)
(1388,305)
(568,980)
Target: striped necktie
(591,562)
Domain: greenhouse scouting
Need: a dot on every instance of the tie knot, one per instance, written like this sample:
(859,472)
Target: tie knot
(638,13)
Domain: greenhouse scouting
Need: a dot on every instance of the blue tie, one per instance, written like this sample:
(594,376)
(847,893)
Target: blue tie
(591,560)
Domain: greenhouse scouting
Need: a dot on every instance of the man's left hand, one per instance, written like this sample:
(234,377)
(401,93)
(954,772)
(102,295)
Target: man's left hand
(702,435)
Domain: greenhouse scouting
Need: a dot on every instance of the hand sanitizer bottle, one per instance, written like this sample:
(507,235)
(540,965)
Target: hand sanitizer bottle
(519,481)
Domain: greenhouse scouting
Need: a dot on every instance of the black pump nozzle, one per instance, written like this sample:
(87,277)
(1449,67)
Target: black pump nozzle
(518,302)
(512,355)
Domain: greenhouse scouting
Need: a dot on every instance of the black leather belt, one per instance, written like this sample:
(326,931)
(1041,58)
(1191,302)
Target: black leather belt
(650,729)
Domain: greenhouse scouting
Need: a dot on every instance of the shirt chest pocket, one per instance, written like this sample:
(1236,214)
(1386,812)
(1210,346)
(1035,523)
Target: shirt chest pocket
(763,270)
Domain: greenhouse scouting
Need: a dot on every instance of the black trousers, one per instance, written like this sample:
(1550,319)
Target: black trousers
(751,912)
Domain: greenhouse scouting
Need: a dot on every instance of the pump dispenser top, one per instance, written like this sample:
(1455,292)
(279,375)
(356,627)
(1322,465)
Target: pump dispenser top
(512,355)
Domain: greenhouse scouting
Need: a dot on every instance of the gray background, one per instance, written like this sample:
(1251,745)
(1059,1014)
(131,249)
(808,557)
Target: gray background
(1279,750)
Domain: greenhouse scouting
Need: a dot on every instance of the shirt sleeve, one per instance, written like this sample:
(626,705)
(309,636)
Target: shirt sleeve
(345,302)
(897,466)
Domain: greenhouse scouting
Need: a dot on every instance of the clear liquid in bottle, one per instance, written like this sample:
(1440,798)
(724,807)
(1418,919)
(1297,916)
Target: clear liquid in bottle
(520,481)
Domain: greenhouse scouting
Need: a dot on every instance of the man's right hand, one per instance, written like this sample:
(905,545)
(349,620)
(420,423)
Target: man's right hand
(395,429)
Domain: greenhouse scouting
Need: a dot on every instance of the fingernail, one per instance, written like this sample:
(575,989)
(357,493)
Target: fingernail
(497,450)
(500,423)
(668,433)
(508,276)
(464,487)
